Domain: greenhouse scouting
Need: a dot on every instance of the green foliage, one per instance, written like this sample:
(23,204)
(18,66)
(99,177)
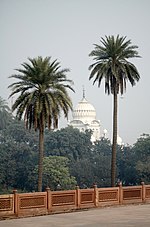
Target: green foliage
(94,167)
(92,171)
(55,174)
(126,166)
(68,142)
(5,114)
(79,162)
(18,156)
(133,162)
(17,160)
(142,147)
(142,152)
(103,146)
(17,131)
(143,171)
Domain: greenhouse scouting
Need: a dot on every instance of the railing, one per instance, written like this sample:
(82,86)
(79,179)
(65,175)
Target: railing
(39,203)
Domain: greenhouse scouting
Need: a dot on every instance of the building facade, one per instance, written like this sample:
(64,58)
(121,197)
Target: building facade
(84,118)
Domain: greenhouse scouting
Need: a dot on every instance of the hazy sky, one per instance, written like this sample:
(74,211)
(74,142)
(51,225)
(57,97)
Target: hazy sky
(67,30)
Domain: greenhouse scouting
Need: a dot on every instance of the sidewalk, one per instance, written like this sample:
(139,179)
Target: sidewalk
(120,216)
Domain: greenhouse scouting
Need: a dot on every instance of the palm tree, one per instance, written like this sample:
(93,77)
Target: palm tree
(112,65)
(42,88)
(5,114)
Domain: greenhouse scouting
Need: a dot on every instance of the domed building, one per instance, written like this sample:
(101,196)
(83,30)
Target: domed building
(84,118)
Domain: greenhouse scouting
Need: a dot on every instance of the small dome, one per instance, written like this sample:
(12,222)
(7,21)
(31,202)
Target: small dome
(84,111)
(119,140)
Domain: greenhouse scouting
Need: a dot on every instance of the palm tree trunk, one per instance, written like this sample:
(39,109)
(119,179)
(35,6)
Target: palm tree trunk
(114,142)
(41,154)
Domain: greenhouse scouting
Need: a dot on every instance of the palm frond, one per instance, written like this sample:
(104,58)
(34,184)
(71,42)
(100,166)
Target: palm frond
(42,88)
(111,63)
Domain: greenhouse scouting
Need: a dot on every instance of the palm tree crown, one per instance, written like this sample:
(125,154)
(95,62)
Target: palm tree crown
(112,65)
(42,91)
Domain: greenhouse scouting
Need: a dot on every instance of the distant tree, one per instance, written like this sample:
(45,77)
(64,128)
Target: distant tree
(102,160)
(89,162)
(102,146)
(56,174)
(142,147)
(92,171)
(112,65)
(94,167)
(17,131)
(42,88)
(17,159)
(142,158)
(68,142)
(5,114)
(126,165)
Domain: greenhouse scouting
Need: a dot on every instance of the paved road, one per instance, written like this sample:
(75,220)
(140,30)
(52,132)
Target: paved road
(120,216)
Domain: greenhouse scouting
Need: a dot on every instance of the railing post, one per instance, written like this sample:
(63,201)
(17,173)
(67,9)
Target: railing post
(120,193)
(49,202)
(95,195)
(15,202)
(78,200)
(143,192)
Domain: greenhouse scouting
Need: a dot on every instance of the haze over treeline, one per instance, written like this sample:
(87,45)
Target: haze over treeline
(70,159)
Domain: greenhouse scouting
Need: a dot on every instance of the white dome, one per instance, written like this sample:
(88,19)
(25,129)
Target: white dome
(84,111)
(119,140)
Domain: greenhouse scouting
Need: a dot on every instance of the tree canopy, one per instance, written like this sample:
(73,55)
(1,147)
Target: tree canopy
(19,159)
